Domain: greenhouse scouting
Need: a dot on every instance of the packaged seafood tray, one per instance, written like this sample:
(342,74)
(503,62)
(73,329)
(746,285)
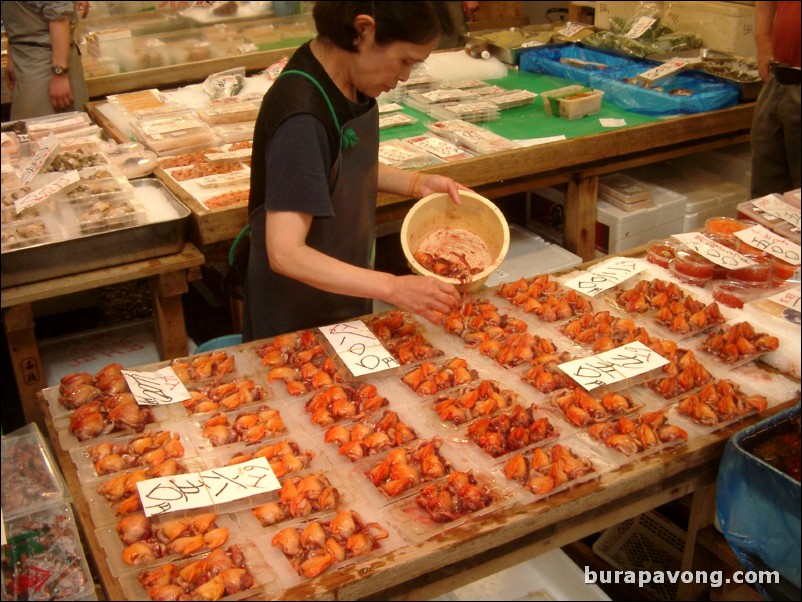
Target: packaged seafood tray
(404,337)
(542,472)
(683,374)
(471,136)
(572,102)
(76,159)
(737,70)
(451,502)
(515,430)
(255,425)
(203,368)
(601,331)
(583,409)
(349,536)
(24,233)
(300,360)
(395,120)
(637,436)
(161,235)
(424,101)
(417,82)
(90,140)
(472,112)
(345,402)
(41,127)
(287,455)
(230,392)
(304,495)
(626,190)
(164,135)
(430,377)
(30,475)
(352,441)
(481,398)
(230,113)
(97,460)
(545,298)
(401,472)
(670,310)
(732,345)
(405,156)
(43,558)
(137,101)
(717,405)
(512,99)
(109,189)
(114,496)
(192,177)
(439,147)
(233,572)
(96,216)
(544,373)
(138,542)
(235,132)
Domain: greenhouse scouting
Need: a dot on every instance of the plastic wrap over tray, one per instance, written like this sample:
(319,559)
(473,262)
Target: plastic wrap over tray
(162,233)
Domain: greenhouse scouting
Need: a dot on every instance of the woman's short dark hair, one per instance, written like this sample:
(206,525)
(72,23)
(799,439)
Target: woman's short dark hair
(414,22)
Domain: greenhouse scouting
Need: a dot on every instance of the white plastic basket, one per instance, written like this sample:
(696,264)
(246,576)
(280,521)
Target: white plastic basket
(647,542)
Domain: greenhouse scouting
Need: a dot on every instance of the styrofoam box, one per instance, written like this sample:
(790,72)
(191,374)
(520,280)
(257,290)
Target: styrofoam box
(529,255)
(727,26)
(550,576)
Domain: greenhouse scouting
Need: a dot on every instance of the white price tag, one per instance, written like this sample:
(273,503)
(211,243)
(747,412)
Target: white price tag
(47,149)
(715,252)
(616,365)
(606,275)
(789,298)
(31,199)
(207,488)
(774,206)
(774,244)
(359,348)
(663,71)
(640,27)
(573,27)
(156,388)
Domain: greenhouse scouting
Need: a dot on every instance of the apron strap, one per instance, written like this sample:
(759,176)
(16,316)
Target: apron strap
(348,138)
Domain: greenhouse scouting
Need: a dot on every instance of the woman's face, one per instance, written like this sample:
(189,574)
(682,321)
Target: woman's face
(379,68)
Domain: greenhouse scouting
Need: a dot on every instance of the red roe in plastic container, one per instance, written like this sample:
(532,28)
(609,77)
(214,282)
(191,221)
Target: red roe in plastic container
(726,225)
(660,252)
(691,264)
(729,241)
(781,271)
(732,294)
(756,275)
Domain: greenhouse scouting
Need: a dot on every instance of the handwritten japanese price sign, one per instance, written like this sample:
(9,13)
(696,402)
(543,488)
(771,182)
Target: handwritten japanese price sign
(156,388)
(41,194)
(359,348)
(790,299)
(606,275)
(715,252)
(47,149)
(207,488)
(779,208)
(610,367)
(774,244)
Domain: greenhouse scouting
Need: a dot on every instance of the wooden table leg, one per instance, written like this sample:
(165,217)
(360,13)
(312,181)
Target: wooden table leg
(580,216)
(168,313)
(703,505)
(19,326)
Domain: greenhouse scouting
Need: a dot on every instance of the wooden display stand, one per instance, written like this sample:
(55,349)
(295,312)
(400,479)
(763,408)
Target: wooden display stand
(168,277)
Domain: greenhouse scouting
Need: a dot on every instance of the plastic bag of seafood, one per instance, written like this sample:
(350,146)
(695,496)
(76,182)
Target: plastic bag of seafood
(43,558)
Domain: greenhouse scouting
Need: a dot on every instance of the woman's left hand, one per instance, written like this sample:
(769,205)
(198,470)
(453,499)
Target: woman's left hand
(431,183)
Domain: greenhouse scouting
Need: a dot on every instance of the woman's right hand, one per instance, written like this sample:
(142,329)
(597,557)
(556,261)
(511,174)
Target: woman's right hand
(426,296)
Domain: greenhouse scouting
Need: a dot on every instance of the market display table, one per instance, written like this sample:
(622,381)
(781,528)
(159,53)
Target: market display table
(487,543)
(168,277)
(577,161)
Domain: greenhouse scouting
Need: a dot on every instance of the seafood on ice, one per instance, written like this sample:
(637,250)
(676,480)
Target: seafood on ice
(739,342)
(483,398)
(479,321)
(121,490)
(200,367)
(637,434)
(581,408)
(402,338)
(545,375)
(150,449)
(285,457)
(683,373)
(358,440)
(543,470)
(602,331)
(227,396)
(119,412)
(321,544)
(719,401)
(427,378)
(455,496)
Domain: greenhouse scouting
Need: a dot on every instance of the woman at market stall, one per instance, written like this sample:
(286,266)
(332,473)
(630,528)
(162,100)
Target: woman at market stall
(315,173)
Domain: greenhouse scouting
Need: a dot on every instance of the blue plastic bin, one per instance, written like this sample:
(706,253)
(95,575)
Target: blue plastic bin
(228,340)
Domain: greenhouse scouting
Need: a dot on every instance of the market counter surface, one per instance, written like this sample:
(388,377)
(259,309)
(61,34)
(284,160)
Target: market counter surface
(587,153)
(506,536)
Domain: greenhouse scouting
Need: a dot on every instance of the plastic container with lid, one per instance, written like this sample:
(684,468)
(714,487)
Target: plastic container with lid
(572,102)
(733,294)
(695,281)
(688,263)
(661,252)
(726,225)
(781,271)
(757,275)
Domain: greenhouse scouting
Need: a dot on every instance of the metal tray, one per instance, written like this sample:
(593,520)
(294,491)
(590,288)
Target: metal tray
(99,250)
(536,35)
(749,85)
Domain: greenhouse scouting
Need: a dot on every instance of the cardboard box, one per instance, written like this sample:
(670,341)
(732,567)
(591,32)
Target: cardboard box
(728,26)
